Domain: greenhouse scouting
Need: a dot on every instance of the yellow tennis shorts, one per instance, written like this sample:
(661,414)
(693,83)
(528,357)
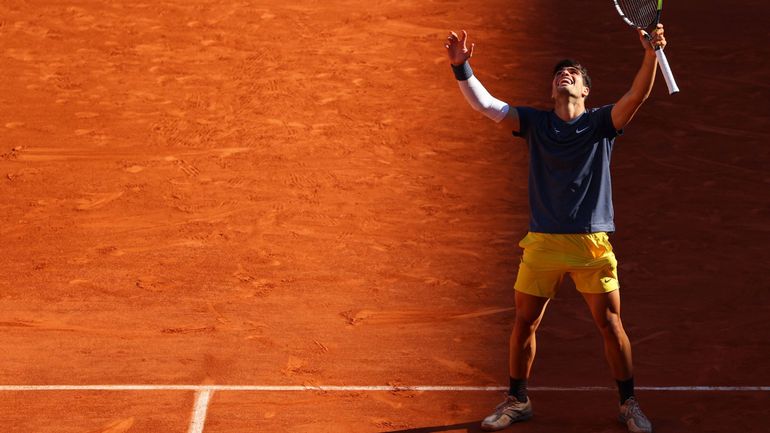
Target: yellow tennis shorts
(587,258)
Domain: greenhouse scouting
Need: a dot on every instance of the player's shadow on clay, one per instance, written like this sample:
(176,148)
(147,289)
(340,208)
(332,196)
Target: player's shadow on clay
(470,427)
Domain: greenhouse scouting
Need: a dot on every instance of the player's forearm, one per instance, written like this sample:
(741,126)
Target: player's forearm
(645,77)
(477,96)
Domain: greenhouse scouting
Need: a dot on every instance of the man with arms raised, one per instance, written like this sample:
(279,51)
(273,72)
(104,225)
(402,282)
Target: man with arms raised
(570,198)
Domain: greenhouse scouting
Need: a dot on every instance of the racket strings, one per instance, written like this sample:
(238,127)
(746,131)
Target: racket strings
(641,13)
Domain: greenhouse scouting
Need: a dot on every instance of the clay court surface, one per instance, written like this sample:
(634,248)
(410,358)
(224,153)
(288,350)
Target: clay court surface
(261,193)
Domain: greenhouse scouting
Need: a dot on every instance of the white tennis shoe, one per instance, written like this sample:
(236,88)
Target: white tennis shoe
(632,416)
(506,413)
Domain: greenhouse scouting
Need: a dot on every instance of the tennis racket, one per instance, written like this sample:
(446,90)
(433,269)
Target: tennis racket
(645,15)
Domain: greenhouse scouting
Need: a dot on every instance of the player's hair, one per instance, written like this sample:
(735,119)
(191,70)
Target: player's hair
(570,63)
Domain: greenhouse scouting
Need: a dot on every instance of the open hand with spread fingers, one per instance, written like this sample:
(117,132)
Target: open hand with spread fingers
(457,48)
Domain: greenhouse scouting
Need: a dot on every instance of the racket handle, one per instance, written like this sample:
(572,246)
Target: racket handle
(666,70)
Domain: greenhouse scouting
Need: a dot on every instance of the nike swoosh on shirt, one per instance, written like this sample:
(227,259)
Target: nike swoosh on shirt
(578,131)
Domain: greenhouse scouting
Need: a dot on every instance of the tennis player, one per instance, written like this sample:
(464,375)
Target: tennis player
(571,215)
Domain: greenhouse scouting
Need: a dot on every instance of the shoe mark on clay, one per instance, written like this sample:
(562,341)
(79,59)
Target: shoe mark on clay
(321,348)
(255,288)
(152,283)
(388,425)
(298,366)
(235,182)
(189,169)
(226,324)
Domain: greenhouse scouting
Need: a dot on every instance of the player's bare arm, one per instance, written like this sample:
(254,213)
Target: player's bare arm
(626,107)
(475,93)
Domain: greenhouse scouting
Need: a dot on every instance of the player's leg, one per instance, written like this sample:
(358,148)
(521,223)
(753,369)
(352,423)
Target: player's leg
(540,273)
(523,343)
(599,289)
(605,310)
(596,277)
(597,281)
(517,407)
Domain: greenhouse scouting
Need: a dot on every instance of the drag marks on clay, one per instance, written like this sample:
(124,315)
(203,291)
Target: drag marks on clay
(133,169)
(31,28)
(482,313)
(52,154)
(247,329)
(650,337)
(190,330)
(117,426)
(114,251)
(405,317)
(97,200)
(161,220)
(17,324)
(50,325)
(14,125)
(19,54)
(86,114)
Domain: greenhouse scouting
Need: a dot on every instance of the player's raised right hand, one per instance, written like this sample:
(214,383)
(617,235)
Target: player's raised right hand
(457,48)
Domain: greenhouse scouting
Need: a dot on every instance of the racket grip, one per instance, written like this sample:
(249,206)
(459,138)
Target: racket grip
(666,70)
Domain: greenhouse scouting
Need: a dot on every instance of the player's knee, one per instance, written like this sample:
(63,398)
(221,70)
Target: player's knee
(524,327)
(610,325)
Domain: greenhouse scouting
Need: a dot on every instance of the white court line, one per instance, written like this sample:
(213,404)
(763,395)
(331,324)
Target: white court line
(262,388)
(199,411)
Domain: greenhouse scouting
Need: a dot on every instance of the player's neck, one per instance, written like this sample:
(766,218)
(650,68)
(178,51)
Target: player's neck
(569,108)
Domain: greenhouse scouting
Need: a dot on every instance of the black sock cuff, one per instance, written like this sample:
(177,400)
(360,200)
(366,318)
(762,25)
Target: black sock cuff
(625,389)
(518,389)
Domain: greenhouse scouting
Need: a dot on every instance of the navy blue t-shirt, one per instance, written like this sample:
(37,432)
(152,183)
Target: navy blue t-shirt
(570,190)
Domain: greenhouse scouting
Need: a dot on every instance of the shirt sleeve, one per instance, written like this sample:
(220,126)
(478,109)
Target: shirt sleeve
(525,120)
(604,122)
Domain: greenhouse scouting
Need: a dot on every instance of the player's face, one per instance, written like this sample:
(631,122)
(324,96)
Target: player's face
(569,80)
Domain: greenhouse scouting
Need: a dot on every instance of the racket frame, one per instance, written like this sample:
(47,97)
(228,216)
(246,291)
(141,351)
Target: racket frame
(665,69)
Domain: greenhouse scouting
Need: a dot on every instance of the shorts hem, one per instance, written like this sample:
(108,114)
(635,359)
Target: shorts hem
(599,292)
(534,293)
